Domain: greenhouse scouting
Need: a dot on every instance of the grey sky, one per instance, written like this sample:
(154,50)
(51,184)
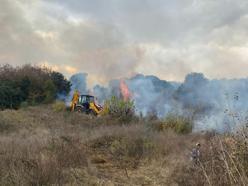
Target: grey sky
(119,38)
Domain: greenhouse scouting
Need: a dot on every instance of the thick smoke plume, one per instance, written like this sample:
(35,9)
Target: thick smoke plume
(79,83)
(219,105)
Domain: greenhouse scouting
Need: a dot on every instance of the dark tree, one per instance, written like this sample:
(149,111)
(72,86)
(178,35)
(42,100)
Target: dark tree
(25,87)
(9,95)
(61,83)
(31,85)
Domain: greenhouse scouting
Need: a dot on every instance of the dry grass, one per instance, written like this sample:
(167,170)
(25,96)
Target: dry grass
(40,146)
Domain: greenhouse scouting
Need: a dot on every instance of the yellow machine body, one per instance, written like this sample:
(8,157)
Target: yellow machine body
(85,104)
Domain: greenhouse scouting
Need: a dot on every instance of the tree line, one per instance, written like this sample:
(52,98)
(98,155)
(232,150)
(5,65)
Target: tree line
(30,85)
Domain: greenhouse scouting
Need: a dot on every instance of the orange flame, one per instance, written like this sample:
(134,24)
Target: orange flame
(124,90)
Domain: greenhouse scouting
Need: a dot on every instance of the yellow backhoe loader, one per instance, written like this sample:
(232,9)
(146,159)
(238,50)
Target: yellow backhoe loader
(85,104)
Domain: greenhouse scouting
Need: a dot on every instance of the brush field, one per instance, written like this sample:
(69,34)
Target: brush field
(44,146)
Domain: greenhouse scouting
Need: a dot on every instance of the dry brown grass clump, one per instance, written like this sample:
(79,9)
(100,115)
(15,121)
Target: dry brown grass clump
(223,162)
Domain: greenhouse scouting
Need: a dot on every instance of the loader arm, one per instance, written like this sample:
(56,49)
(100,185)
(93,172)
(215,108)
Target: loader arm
(96,109)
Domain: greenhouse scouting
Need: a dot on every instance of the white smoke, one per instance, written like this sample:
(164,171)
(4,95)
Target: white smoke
(220,105)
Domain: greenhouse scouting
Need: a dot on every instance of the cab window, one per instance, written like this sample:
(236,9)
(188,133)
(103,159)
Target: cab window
(91,99)
(82,99)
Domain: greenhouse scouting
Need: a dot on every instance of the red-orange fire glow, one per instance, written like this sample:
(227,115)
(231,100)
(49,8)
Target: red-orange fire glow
(124,90)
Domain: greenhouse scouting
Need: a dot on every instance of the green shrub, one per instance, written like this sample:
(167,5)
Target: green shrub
(178,124)
(24,104)
(59,106)
(50,91)
(118,108)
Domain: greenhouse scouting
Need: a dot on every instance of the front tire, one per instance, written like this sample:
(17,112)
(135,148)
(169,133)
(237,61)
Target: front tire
(79,110)
(92,113)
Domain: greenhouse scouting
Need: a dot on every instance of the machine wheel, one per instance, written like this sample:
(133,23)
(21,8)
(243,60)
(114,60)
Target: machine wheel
(92,112)
(79,110)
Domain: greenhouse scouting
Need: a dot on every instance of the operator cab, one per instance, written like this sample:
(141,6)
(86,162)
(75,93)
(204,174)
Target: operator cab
(85,99)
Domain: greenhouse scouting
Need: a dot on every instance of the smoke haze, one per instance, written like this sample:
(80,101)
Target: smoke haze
(110,39)
(219,105)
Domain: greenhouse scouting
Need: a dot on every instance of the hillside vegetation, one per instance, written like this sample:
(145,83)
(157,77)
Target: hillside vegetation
(46,145)
(30,85)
